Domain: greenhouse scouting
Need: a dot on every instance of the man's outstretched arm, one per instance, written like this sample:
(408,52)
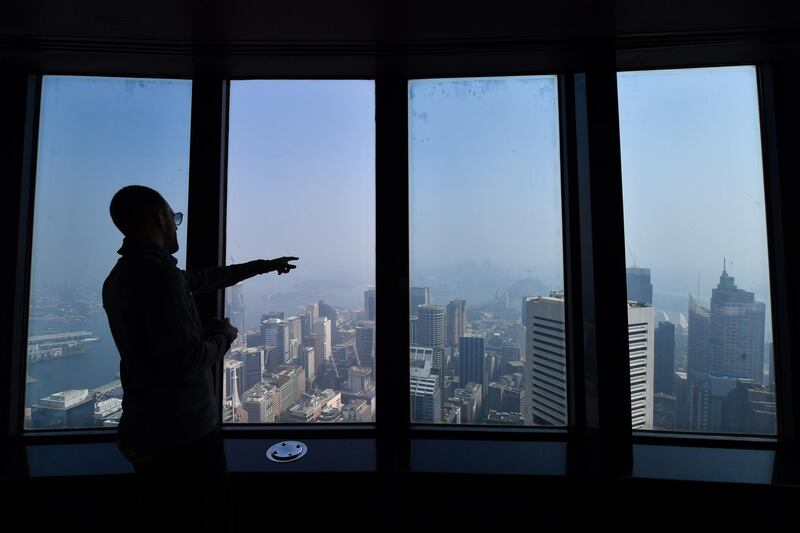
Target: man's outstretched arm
(211,279)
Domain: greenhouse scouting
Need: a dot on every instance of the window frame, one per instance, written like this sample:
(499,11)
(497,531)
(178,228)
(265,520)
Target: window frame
(599,440)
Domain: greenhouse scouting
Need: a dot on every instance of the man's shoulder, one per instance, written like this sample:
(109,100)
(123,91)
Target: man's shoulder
(144,272)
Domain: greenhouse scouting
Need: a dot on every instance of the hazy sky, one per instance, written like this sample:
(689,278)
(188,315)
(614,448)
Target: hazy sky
(485,176)
(692,178)
(97,135)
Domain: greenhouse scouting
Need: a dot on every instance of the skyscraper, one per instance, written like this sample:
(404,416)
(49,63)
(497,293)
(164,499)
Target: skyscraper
(639,287)
(665,357)
(545,381)
(641,318)
(699,324)
(472,359)
(419,296)
(736,333)
(365,343)
(425,389)
(430,332)
(456,322)
(276,334)
(322,328)
(369,303)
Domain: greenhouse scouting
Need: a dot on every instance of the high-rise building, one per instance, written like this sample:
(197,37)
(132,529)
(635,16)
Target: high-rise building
(456,324)
(736,334)
(472,361)
(419,296)
(309,363)
(365,343)
(665,357)
(316,342)
(322,328)
(699,327)
(232,367)
(639,287)
(641,318)
(294,327)
(258,403)
(425,389)
(545,361)
(369,304)
(253,365)
(430,332)
(276,334)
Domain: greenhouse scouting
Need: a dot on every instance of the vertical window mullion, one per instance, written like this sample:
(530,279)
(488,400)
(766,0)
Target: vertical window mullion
(392,272)
(604,328)
(777,90)
(205,240)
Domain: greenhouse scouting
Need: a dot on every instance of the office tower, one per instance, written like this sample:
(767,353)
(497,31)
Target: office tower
(365,343)
(639,287)
(328,312)
(258,404)
(340,356)
(369,304)
(309,363)
(456,325)
(697,346)
(736,333)
(413,328)
(430,332)
(234,310)
(419,296)
(253,364)
(545,382)
(469,398)
(290,385)
(663,411)
(322,328)
(472,361)
(511,352)
(295,327)
(276,334)
(254,340)
(749,408)
(234,375)
(708,394)
(313,312)
(425,389)
(682,401)
(665,357)
(272,314)
(273,358)
(316,342)
(641,318)
(359,379)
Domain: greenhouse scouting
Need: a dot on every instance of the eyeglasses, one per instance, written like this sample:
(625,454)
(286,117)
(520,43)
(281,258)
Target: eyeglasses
(178,218)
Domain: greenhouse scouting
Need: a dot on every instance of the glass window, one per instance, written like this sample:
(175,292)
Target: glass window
(301,182)
(695,228)
(96,135)
(487,304)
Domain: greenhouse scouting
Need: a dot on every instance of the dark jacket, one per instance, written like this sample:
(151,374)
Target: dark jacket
(166,355)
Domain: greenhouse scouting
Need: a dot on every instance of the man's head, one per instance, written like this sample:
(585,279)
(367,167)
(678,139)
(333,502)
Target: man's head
(142,214)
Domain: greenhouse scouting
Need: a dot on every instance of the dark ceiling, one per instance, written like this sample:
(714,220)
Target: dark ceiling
(383,20)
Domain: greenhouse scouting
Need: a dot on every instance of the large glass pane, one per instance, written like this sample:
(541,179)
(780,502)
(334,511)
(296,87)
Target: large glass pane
(695,227)
(487,304)
(301,182)
(96,135)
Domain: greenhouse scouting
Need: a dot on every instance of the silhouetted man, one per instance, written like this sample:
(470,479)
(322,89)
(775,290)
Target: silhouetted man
(169,428)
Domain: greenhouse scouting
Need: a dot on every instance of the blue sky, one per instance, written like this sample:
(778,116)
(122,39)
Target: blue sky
(693,179)
(484,176)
